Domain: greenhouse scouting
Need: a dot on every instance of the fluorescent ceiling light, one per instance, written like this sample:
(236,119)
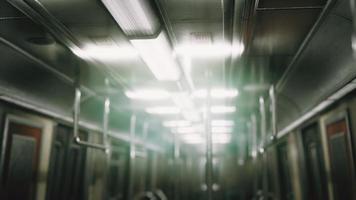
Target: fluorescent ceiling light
(177,123)
(191,129)
(221,129)
(209,50)
(222,122)
(199,139)
(110,52)
(148,94)
(106,52)
(222,109)
(135,17)
(156,53)
(223,93)
(191,115)
(216,93)
(161,110)
(193,138)
(182,100)
(221,138)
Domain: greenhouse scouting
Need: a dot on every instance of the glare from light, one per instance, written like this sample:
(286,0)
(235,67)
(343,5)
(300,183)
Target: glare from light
(191,115)
(218,50)
(135,17)
(254,154)
(222,123)
(162,110)
(200,139)
(176,123)
(237,50)
(192,138)
(223,93)
(221,129)
(191,129)
(105,52)
(156,53)
(222,109)
(219,138)
(148,94)
(262,150)
(182,100)
(216,93)
(79,52)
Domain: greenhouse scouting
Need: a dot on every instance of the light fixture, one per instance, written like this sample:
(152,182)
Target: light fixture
(177,123)
(190,129)
(199,139)
(221,138)
(105,51)
(191,115)
(223,93)
(135,17)
(222,122)
(192,138)
(216,93)
(182,100)
(148,94)
(156,53)
(221,129)
(208,50)
(222,109)
(161,110)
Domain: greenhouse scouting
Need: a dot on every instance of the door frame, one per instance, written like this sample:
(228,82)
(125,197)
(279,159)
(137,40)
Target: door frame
(330,118)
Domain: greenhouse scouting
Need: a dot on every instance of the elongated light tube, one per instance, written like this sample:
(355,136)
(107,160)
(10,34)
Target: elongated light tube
(148,94)
(157,55)
(222,109)
(176,123)
(135,17)
(162,110)
(222,123)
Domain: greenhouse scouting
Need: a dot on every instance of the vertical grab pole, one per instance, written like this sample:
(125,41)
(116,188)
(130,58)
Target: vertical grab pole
(106,123)
(176,165)
(209,144)
(76,113)
(262,144)
(353,39)
(132,155)
(273,98)
(263,123)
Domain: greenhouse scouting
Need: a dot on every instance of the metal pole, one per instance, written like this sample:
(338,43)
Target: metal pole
(176,167)
(263,123)
(262,145)
(272,95)
(353,11)
(147,177)
(209,145)
(132,155)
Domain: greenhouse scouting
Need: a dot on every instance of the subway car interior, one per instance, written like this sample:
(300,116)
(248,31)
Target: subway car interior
(177,99)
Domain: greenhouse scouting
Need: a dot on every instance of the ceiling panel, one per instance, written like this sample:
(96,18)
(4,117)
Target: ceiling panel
(191,10)
(289,3)
(281,32)
(324,66)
